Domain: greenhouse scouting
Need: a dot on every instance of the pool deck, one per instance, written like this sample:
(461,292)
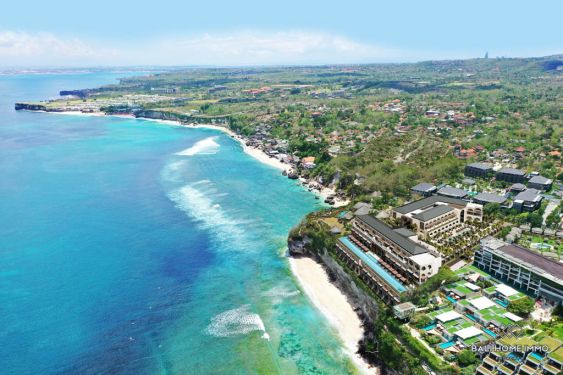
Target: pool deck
(372,263)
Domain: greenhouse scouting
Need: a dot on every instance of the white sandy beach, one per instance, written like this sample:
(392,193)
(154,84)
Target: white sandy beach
(256,153)
(334,305)
(252,151)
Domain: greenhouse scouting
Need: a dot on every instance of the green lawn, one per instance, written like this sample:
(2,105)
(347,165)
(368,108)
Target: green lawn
(528,240)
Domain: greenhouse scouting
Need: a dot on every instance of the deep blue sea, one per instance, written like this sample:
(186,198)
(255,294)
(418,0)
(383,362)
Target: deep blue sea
(133,247)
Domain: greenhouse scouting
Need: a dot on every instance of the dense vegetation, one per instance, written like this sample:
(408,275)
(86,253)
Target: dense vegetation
(377,127)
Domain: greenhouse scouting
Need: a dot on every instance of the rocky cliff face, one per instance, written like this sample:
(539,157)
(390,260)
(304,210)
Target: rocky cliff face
(29,107)
(360,300)
(78,93)
(363,303)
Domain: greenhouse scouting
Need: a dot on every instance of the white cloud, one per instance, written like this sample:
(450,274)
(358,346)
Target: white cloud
(238,48)
(254,48)
(18,47)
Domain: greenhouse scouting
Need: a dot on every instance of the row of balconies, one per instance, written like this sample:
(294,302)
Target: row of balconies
(390,254)
(444,228)
(521,364)
(382,289)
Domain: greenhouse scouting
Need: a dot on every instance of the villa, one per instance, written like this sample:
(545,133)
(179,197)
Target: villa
(424,189)
(540,183)
(478,170)
(484,198)
(528,200)
(510,175)
(451,192)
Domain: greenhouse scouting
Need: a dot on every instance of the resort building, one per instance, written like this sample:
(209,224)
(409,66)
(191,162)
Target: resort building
(456,330)
(482,170)
(530,357)
(451,192)
(540,183)
(554,363)
(387,259)
(517,188)
(308,162)
(404,310)
(437,214)
(528,200)
(510,175)
(424,189)
(484,198)
(522,268)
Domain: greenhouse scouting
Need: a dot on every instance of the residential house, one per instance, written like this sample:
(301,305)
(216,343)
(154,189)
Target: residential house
(528,200)
(482,170)
(540,183)
(510,175)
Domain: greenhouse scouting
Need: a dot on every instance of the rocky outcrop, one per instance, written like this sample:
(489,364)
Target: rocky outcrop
(78,93)
(181,117)
(161,115)
(29,107)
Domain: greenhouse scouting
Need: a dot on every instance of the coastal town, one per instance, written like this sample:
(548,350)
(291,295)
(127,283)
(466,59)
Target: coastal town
(443,188)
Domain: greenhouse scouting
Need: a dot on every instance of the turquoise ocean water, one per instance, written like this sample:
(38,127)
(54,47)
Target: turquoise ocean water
(132,247)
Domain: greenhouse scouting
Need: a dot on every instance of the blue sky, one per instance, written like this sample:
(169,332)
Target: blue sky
(168,32)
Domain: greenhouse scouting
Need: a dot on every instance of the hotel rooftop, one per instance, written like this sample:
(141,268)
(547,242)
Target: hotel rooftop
(393,236)
(422,203)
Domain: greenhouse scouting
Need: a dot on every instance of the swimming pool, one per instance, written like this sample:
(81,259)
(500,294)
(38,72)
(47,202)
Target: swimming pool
(374,265)
(446,345)
(536,356)
(490,333)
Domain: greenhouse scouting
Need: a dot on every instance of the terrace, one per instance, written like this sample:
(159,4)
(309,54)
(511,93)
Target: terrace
(377,259)
(461,290)
(373,263)
(555,361)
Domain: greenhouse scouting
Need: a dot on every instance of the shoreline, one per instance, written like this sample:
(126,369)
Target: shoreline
(334,306)
(254,152)
(310,275)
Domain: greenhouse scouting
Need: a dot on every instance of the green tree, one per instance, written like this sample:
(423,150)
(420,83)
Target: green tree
(553,219)
(491,209)
(522,306)
(535,219)
(421,320)
(466,358)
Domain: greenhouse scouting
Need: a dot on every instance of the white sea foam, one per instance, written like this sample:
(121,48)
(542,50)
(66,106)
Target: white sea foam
(199,204)
(207,146)
(201,182)
(239,321)
(173,170)
(280,292)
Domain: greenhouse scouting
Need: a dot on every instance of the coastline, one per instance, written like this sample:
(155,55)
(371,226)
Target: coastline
(310,275)
(334,305)
(256,153)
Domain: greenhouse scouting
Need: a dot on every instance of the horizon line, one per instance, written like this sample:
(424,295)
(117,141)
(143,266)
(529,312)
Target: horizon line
(214,66)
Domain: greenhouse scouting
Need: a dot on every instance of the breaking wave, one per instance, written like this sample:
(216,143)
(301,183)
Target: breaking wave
(207,146)
(281,291)
(239,321)
(173,171)
(201,205)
